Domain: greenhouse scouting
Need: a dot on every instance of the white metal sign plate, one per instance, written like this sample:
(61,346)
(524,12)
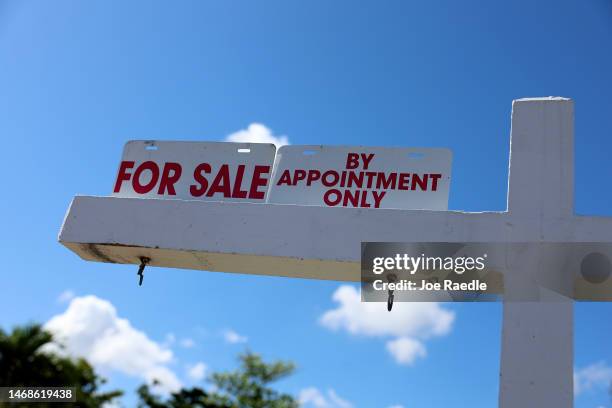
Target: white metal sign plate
(211,171)
(364,177)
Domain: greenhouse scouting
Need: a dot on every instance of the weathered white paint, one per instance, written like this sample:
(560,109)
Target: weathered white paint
(324,243)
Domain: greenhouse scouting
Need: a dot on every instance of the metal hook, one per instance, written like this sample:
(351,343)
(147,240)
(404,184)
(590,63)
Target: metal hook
(143,262)
(390,301)
(391,278)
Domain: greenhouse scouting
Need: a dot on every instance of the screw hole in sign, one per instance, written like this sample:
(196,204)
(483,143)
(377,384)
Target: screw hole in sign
(150,147)
(416,155)
(309,152)
(244,150)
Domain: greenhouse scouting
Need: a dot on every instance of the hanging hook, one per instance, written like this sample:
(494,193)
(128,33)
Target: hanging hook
(390,301)
(391,278)
(143,262)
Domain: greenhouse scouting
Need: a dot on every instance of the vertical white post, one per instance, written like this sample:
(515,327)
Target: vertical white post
(541,181)
(537,337)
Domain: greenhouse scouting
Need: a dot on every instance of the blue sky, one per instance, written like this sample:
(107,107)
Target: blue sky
(78,79)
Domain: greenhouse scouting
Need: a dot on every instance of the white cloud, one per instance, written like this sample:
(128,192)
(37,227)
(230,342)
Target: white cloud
(312,397)
(66,296)
(409,323)
(598,375)
(187,343)
(197,371)
(337,401)
(232,337)
(406,350)
(257,133)
(91,328)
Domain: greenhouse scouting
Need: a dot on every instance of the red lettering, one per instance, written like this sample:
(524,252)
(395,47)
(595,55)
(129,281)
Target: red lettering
(328,200)
(367,158)
(123,175)
(369,175)
(299,176)
(200,179)
(416,179)
(167,181)
(221,183)
(313,175)
(364,202)
(285,178)
(434,181)
(355,179)
(258,181)
(352,197)
(404,179)
(386,183)
(352,161)
(237,192)
(143,189)
(378,196)
(335,177)
(343,178)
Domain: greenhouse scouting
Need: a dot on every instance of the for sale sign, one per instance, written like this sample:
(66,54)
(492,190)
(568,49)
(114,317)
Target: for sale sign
(364,177)
(212,171)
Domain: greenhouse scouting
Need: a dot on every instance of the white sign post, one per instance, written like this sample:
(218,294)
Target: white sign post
(324,243)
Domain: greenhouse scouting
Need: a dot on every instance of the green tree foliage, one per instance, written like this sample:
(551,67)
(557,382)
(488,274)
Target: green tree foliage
(185,398)
(26,361)
(23,362)
(246,387)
